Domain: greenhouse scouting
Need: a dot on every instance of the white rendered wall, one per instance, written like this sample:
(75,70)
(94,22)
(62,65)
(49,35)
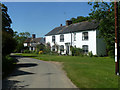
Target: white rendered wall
(25,44)
(91,42)
(67,39)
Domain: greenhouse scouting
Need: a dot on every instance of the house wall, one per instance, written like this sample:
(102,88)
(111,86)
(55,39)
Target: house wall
(91,42)
(25,45)
(67,39)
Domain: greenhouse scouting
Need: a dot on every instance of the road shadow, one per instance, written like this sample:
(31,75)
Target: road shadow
(13,85)
(18,56)
(18,72)
(26,65)
(9,83)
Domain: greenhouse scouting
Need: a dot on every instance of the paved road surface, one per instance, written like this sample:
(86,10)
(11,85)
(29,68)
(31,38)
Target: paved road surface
(33,73)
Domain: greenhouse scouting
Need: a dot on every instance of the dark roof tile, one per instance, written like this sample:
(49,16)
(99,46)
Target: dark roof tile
(82,26)
(35,40)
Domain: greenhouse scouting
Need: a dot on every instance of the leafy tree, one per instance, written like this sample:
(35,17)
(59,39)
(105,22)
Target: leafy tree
(20,38)
(40,47)
(44,48)
(103,12)
(8,42)
(80,19)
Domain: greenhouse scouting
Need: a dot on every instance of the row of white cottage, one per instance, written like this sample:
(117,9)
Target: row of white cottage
(81,35)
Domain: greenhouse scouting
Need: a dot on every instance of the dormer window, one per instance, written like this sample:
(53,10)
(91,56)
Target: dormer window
(61,38)
(53,38)
(85,36)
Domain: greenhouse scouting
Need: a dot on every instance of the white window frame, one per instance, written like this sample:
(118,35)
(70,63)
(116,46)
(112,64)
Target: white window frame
(62,38)
(85,49)
(84,36)
(53,38)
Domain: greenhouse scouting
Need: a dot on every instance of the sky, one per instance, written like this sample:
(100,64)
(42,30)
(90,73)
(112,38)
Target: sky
(41,17)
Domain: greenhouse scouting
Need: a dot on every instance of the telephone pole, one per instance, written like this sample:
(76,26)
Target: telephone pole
(116,39)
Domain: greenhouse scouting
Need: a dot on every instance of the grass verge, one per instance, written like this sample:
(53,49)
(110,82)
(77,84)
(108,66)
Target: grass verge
(86,72)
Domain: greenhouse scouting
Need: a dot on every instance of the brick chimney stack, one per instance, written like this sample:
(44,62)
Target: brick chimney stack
(33,35)
(68,22)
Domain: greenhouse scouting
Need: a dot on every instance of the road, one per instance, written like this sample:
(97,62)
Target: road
(33,73)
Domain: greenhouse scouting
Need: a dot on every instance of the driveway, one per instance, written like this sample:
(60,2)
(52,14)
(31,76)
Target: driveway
(33,73)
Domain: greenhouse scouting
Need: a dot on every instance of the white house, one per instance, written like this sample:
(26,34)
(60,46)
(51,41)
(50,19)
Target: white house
(31,43)
(81,35)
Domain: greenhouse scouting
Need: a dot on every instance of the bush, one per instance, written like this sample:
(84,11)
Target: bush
(40,52)
(43,48)
(26,51)
(90,54)
(8,65)
(76,51)
(53,53)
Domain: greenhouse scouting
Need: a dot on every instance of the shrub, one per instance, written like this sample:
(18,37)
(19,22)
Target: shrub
(43,48)
(53,53)
(8,65)
(26,51)
(40,52)
(90,54)
(76,51)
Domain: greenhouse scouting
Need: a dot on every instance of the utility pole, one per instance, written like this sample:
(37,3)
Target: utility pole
(116,39)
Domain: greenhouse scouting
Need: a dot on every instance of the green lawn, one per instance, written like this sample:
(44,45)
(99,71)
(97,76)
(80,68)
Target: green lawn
(86,72)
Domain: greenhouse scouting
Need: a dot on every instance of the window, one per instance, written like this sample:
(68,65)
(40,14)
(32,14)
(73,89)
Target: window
(31,48)
(61,38)
(53,38)
(85,36)
(61,48)
(75,46)
(74,36)
(53,48)
(85,49)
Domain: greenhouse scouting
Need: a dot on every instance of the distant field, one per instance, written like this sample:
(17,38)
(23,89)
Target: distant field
(86,72)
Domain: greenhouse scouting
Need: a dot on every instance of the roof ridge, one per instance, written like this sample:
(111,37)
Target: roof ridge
(80,26)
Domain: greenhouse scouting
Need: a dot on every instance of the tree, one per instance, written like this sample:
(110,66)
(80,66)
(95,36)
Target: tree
(80,19)
(20,38)
(103,12)
(8,42)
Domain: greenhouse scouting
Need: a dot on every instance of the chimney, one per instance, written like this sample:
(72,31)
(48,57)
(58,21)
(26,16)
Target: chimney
(33,35)
(61,25)
(68,22)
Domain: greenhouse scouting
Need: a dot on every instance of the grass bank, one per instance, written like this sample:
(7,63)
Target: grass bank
(86,72)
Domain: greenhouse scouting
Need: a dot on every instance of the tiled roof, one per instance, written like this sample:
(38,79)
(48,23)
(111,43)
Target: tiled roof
(55,30)
(82,26)
(27,40)
(34,40)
